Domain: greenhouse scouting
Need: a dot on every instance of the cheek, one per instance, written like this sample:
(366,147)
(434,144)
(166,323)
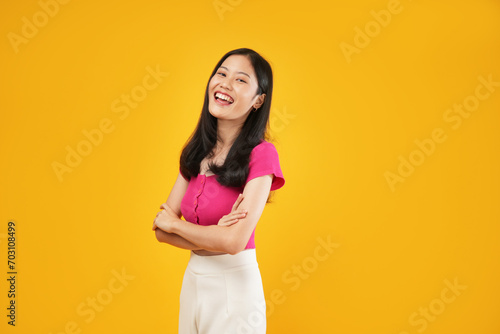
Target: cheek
(212,83)
(245,98)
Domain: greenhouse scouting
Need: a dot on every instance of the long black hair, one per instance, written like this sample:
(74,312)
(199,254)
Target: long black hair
(234,171)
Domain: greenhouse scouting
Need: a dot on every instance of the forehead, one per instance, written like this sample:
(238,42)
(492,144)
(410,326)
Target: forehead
(237,63)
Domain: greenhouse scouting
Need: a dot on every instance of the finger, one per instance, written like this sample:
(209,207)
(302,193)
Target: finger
(224,220)
(240,212)
(165,207)
(229,222)
(232,222)
(237,202)
(169,211)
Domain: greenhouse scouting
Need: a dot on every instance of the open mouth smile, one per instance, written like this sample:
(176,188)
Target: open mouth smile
(223,98)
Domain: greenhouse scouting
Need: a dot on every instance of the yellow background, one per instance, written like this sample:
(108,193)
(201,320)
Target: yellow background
(340,124)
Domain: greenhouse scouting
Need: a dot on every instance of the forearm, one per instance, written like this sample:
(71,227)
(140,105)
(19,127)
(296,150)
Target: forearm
(213,238)
(175,240)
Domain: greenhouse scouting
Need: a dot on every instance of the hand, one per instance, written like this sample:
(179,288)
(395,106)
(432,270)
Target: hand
(165,219)
(235,215)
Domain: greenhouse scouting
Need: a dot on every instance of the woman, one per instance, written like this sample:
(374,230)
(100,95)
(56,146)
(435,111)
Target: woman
(227,170)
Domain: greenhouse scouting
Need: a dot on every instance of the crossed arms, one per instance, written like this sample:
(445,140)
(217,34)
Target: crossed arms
(225,237)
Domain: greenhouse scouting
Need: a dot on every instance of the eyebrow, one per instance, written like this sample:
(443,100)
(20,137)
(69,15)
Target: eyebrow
(224,67)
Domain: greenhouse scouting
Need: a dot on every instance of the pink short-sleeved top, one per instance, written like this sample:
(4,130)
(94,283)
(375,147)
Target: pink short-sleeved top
(206,201)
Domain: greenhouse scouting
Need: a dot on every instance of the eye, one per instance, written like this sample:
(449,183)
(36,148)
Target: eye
(242,80)
(222,74)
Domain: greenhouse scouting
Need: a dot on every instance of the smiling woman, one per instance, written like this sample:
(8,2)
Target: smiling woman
(227,171)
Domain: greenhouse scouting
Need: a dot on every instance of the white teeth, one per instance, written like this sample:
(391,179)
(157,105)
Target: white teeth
(224,97)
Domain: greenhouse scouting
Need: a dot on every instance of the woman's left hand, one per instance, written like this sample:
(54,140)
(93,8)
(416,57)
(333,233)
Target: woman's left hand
(165,219)
(235,214)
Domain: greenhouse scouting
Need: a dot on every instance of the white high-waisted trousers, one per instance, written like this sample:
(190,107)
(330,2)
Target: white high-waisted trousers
(222,294)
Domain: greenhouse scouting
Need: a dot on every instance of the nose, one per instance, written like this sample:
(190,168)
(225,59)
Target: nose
(225,84)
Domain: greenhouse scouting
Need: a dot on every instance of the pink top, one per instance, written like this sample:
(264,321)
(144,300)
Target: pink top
(206,201)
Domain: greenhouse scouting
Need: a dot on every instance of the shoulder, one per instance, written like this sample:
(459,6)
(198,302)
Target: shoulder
(264,148)
(264,160)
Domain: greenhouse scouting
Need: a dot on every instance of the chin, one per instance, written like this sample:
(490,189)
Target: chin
(216,114)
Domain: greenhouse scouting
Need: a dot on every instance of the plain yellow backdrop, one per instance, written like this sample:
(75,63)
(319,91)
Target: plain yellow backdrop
(385,116)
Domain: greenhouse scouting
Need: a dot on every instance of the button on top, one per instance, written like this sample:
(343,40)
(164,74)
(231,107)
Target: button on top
(198,194)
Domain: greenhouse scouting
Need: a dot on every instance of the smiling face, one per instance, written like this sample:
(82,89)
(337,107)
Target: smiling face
(233,90)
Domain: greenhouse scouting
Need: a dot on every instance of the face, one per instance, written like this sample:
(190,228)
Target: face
(233,90)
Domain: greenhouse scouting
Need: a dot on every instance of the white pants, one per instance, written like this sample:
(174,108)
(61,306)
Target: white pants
(222,294)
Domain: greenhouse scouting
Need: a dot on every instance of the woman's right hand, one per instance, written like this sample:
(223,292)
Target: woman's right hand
(235,214)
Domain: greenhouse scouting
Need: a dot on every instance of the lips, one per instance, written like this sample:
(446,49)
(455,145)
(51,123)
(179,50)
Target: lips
(223,98)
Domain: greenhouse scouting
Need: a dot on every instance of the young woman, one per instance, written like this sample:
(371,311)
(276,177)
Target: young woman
(227,170)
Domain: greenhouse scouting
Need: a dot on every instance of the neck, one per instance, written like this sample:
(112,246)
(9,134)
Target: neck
(227,132)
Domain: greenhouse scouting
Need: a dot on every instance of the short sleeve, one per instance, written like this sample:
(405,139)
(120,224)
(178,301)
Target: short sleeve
(264,160)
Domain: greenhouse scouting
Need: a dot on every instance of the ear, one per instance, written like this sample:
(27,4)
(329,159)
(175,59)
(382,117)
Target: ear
(260,101)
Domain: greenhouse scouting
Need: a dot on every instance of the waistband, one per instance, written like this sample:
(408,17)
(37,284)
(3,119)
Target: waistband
(217,263)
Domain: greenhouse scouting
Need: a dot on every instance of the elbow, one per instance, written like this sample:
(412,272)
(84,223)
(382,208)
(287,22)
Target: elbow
(159,235)
(234,246)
